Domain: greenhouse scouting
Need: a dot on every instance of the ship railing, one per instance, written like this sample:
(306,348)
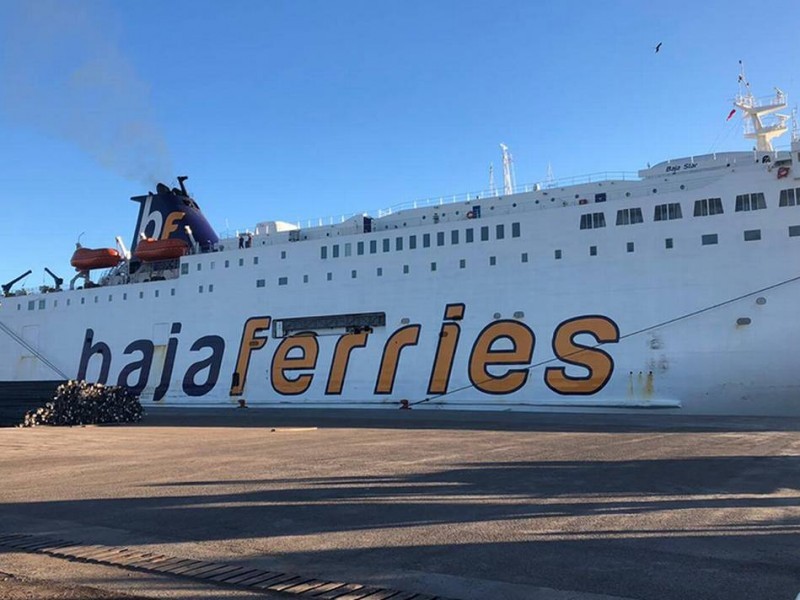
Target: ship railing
(454,198)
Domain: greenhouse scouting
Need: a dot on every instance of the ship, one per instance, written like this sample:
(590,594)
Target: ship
(672,290)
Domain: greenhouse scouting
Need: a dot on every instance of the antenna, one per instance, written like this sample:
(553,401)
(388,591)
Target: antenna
(549,179)
(508,173)
(492,188)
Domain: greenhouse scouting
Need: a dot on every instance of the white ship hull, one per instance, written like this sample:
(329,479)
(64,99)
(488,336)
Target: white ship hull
(655,317)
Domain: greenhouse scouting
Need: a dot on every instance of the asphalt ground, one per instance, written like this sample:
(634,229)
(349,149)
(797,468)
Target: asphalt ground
(462,505)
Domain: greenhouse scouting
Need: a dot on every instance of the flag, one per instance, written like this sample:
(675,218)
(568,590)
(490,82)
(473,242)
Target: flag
(730,114)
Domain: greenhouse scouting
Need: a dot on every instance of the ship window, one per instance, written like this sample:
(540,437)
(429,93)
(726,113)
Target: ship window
(709,239)
(630,246)
(386,245)
(462,264)
(199,289)
(708,206)
(329,276)
(255,260)
(353,274)
(592,250)
(323,252)
(171,292)
(336,251)
(260,283)
(433,266)
(454,236)
(524,257)
(601,197)
(373,246)
(405,269)
(426,240)
(360,248)
(412,242)
(283,280)
(484,233)
(32,304)
(212,265)
(154,294)
(227,264)
(348,249)
(558,254)
(593,220)
(440,238)
(199,266)
(752,235)
(514,230)
(184,269)
(398,244)
(241,262)
(667,212)
(469,234)
(668,243)
(794,230)
(141,295)
(789,197)
(305,278)
(83,301)
(629,216)
(210,288)
(380,272)
(283,252)
(124,297)
(42,302)
(748,202)
(500,231)
(492,261)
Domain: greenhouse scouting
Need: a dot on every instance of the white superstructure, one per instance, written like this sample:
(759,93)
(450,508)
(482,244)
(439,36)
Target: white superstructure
(674,290)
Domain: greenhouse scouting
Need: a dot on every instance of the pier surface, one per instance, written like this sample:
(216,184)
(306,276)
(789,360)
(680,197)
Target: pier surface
(454,505)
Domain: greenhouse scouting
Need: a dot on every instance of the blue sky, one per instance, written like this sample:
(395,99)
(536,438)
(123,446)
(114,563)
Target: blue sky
(297,109)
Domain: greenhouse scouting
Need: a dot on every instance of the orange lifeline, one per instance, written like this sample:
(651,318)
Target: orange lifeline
(150,250)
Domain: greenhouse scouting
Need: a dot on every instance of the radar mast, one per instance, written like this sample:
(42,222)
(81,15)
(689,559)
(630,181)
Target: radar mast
(755,128)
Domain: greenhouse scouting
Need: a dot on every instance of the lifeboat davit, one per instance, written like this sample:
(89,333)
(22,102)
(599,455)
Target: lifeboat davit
(150,250)
(86,259)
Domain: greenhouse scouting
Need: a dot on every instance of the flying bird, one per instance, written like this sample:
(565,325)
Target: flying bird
(658,47)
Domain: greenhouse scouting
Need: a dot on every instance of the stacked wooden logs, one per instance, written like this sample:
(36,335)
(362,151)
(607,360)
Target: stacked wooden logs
(82,403)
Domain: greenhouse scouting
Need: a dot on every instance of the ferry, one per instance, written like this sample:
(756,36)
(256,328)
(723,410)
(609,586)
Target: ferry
(673,290)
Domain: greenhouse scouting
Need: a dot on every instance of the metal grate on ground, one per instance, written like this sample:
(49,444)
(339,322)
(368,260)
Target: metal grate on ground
(246,578)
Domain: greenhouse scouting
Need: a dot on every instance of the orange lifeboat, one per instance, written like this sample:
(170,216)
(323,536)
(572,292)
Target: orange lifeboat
(150,250)
(86,259)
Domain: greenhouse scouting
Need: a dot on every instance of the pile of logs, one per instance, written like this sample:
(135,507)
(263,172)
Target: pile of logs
(82,403)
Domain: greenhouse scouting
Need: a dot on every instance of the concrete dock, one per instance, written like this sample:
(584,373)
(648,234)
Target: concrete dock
(438,504)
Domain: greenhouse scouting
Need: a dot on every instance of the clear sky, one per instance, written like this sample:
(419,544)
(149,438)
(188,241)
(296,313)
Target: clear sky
(295,109)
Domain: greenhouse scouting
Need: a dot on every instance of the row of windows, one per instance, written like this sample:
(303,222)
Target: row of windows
(426,239)
(709,239)
(227,263)
(702,208)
